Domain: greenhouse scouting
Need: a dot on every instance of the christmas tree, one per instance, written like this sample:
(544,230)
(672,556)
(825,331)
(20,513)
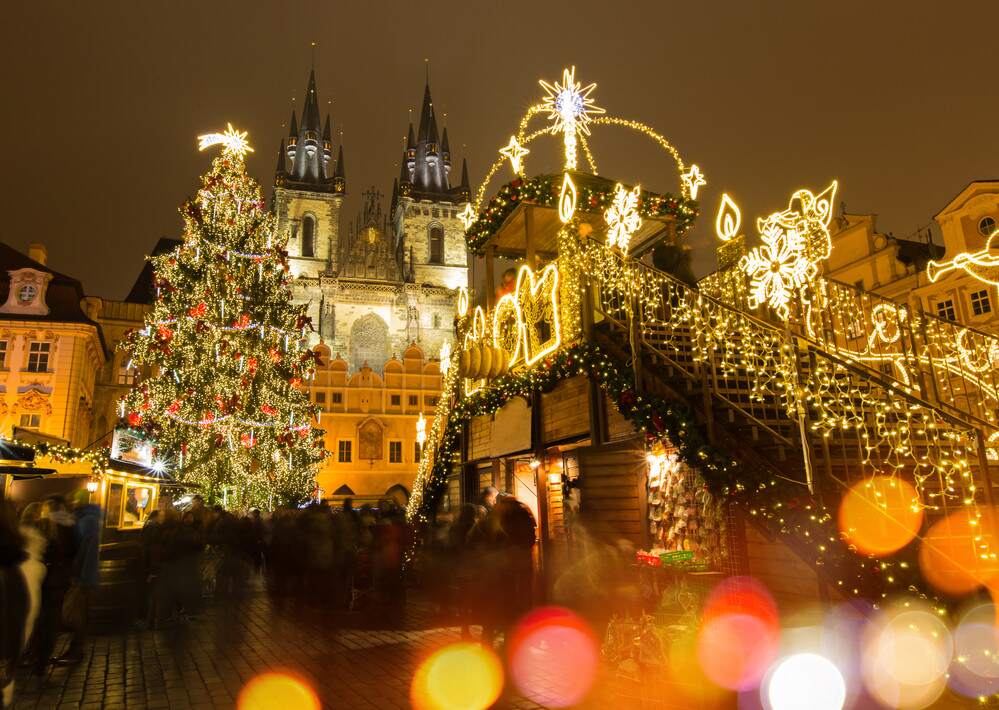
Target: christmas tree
(225,350)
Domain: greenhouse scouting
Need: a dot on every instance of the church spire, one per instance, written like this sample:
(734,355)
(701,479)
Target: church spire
(464,174)
(340,175)
(310,144)
(280,160)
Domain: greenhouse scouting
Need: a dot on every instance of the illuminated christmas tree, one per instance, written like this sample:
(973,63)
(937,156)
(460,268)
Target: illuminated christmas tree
(225,347)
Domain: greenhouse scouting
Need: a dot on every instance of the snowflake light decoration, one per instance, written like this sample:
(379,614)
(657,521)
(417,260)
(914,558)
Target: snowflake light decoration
(778,267)
(569,108)
(622,217)
(515,152)
(233,142)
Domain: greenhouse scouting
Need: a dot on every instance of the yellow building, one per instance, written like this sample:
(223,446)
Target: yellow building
(959,293)
(51,348)
(370,421)
(877,262)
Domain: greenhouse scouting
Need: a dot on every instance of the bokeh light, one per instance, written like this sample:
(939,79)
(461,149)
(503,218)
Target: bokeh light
(880,515)
(740,634)
(462,676)
(975,670)
(553,657)
(806,681)
(958,553)
(906,657)
(268,691)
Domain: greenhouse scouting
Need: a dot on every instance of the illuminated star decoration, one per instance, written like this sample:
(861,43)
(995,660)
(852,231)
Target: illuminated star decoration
(622,217)
(693,179)
(778,267)
(467,216)
(515,152)
(233,142)
(569,108)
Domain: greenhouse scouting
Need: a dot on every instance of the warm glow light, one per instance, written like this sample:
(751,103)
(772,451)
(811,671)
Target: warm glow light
(467,216)
(463,676)
(622,217)
(880,515)
(553,657)
(906,657)
(982,265)
(956,553)
(92,486)
(537,301)
(515,152)
(975,670)
(693,180)
(421,430)
(233,142)
(277,690)
(462,308)
(569,108)
(806,681)
(729,218)
(567,200)
(445,357)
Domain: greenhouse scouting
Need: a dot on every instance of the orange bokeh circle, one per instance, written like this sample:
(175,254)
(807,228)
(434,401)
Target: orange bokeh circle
(277,690)
(956,556)
(880,515)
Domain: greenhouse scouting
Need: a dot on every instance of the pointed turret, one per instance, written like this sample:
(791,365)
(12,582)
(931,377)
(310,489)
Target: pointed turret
(327,133)
(410,139)
(464,174)
(293,126)
(310,111)
(426,112)
(327,145)
(340,175)
(280,170)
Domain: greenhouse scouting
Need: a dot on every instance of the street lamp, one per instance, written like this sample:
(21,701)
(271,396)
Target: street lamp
(421,430)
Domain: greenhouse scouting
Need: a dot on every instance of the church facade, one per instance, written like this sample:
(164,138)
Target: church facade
(378,288)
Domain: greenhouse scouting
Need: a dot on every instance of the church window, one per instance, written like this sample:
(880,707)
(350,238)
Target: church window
(986,226)
(437,320)
(344,451)
(436,244)
(980,304)
(31,421)
(945,309)
(309,235)
(38,357)
(395,452)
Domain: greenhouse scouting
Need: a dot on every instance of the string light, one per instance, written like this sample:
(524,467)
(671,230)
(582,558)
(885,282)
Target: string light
(981,265)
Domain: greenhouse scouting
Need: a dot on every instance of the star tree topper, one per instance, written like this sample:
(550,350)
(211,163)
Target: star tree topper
(569,107)
(233,142)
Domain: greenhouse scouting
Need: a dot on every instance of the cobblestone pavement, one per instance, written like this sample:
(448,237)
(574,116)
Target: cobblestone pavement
(352,660)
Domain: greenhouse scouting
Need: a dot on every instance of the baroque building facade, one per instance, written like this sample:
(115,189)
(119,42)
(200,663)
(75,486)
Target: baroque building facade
(378,289)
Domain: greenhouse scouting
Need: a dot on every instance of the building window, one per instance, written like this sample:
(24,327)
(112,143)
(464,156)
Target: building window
(986,226)
(437,320)
(395,452)
(38,357)
(337,398)
(436,244)
(945,309)
(31,421)
(27,294)
(980,304)
(431,401)
(343,451)
(320,398)
(308,235)
(125,376)
(416,452)
(3,354)
(413,400)
(396,400)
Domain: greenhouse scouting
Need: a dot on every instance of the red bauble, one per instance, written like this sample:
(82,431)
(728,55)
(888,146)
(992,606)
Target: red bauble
(134,419)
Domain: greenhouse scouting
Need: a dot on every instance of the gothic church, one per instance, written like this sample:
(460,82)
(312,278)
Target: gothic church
(388,280)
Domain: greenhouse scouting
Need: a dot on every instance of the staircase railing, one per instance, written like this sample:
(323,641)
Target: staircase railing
(800,387)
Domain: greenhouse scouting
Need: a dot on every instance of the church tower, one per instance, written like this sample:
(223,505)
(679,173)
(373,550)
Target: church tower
(425,206)
(308,194)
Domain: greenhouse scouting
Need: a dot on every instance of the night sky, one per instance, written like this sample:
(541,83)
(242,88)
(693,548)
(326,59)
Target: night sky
(103,100)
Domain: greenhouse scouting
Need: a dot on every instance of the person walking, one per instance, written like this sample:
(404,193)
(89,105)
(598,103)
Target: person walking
(58,526)
(21,573)
(85,575)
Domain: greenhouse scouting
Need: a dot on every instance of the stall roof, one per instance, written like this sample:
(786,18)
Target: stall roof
(510,240)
